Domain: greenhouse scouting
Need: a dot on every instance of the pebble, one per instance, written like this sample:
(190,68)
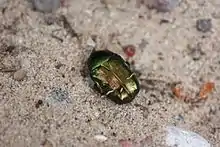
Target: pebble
(162,5)
(46,5)
(90,42)
(100,138)
(178,118)
(59,95)
(126,143)
(181,138)
(19,75)
(129,50)
(39,103)
(204,25)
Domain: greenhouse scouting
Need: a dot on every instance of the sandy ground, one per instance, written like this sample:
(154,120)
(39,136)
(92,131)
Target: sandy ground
(46,97)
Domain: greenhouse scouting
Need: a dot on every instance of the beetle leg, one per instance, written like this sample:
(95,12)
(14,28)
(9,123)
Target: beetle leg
(128,64)
(130,76)
(110,91)
(98,87)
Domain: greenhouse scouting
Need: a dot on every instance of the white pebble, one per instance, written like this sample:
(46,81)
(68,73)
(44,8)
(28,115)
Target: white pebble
(177,137)
(20,75)
(100,138)
(91,43)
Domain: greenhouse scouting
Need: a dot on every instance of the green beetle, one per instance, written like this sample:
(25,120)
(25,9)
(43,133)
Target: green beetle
(112,76)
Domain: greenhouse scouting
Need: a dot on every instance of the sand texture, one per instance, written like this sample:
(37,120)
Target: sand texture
(46,96)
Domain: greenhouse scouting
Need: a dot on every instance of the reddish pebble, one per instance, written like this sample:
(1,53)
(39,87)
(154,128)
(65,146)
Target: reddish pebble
(206,89)
(129,50)
(125,143)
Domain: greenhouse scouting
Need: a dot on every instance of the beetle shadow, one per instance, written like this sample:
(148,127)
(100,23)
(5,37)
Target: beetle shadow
(84,72)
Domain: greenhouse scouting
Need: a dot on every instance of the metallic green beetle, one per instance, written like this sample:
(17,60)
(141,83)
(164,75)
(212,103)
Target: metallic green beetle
(112,76)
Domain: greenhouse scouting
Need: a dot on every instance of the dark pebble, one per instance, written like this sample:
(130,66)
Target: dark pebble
(39,103)
(163,5)
(46,5)
(204,25)
(162,21)
(114,134)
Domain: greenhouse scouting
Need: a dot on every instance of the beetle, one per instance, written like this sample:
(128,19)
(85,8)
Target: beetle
(112,76)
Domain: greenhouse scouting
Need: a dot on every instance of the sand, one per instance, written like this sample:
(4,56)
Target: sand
(46,96)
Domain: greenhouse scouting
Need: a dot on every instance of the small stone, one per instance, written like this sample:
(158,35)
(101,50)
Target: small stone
(20,75)
(59,95)
(39,103)
(46,5)
(90,42)
(126,143)
(129,50)
(100,138)
(162,5)
(178,118)
(145,113)
(184,138)
(114,134)
(204,25)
